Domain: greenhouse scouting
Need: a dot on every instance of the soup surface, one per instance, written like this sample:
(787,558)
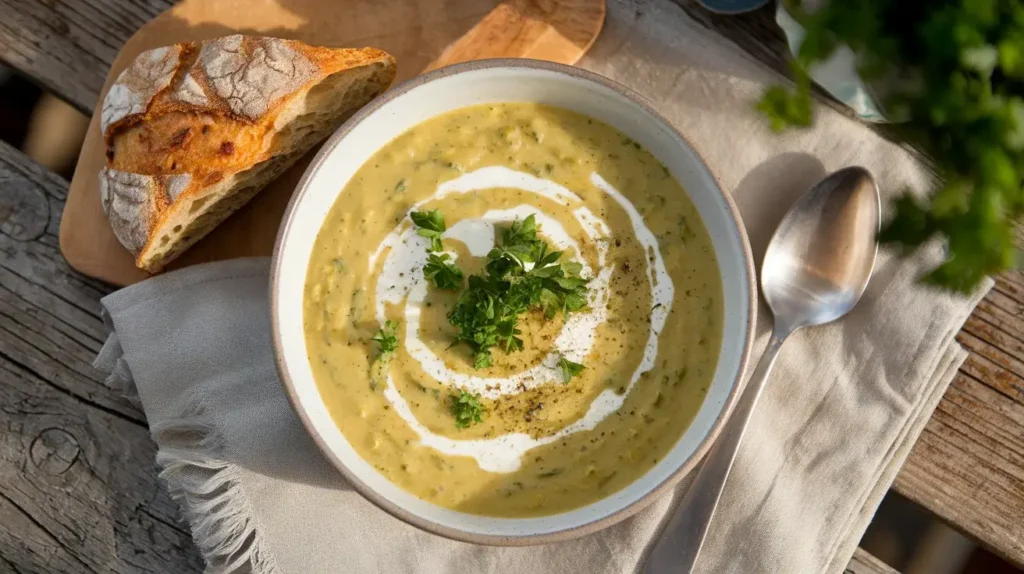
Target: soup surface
(594,397)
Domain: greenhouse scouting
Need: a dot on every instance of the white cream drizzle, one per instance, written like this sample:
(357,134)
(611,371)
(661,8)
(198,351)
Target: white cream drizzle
(401,279)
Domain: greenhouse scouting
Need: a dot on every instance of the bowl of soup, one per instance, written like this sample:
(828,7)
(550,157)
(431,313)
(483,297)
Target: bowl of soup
(510,303)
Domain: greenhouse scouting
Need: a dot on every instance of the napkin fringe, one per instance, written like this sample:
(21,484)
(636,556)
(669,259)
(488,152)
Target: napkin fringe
(210,492)
(208,488)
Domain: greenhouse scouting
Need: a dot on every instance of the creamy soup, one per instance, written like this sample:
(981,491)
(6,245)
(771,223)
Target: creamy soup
(648,337)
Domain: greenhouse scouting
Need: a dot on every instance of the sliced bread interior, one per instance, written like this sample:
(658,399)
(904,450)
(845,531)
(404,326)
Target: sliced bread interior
(234,113)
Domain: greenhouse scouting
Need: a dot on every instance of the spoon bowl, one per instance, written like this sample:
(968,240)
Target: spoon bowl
(820,257)
(815,270)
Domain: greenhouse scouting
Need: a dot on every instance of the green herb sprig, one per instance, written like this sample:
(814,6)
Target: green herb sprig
(439,268)
(466,409)
(569,369)
(386,337)
(443,272)
(387,343)
(952,73)
(521,274)
(431,225)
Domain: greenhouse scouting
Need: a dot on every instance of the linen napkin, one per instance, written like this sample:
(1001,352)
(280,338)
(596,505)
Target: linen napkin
(843,408)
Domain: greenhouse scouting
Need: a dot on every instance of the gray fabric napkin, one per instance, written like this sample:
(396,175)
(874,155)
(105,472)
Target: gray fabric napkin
(843,408)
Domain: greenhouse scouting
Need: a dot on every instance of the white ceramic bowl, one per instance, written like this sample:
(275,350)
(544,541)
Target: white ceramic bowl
(506,81)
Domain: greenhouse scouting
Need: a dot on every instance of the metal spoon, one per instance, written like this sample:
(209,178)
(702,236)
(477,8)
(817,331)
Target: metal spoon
(815,270)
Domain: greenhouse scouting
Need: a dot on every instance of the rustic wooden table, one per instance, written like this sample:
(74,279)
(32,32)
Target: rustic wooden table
(78,487)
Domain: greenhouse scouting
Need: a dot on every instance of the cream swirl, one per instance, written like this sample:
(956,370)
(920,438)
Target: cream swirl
(405,254)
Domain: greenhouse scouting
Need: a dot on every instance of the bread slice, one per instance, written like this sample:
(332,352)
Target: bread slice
(193,131)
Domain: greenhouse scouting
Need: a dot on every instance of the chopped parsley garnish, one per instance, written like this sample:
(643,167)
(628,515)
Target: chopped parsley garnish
(386,337)
(569,369)
(443,272)
(466,408)
(431,225)
(439,268)
(521,274)
(387,340)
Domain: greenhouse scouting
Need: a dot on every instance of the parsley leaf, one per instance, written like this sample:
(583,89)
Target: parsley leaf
(439,268)
(387,340)
(431,225)
(569,369)
(482,359)
(522,274)
(386,337)
(432,220)
(443,272)
(466,408)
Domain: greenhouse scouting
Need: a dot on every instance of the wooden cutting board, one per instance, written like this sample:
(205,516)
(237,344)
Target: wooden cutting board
(421,34)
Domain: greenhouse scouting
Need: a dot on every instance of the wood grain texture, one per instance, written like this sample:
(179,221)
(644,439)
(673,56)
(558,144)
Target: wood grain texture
(68,46)
(864,563)
(968,465)
(78,488)
(556,30)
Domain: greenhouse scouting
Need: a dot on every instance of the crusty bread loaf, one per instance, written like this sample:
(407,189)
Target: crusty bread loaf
(193,131)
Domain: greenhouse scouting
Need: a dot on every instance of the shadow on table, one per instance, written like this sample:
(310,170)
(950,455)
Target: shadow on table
(659,40)
(783,178)
(415,31)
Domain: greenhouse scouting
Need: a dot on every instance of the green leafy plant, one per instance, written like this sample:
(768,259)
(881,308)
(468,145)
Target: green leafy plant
(951,73)
(569,369)
(466,409)
(431,225)
(386,338)
(443,272)
(387,343)
(521,274)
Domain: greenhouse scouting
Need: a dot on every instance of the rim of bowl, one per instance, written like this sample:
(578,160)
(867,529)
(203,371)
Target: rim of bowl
(398,511)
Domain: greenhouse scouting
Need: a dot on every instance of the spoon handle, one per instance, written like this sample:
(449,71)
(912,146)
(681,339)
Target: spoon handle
(680,543)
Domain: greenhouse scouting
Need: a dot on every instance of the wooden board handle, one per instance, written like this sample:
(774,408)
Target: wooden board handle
(555,30)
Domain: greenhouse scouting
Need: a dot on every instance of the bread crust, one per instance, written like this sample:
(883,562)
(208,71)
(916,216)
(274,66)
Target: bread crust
(195,119)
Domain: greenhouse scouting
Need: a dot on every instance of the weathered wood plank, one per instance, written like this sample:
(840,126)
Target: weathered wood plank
(78,488)
(68,45)
(864,563)
(49,316)
(84,480)
(968,465)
